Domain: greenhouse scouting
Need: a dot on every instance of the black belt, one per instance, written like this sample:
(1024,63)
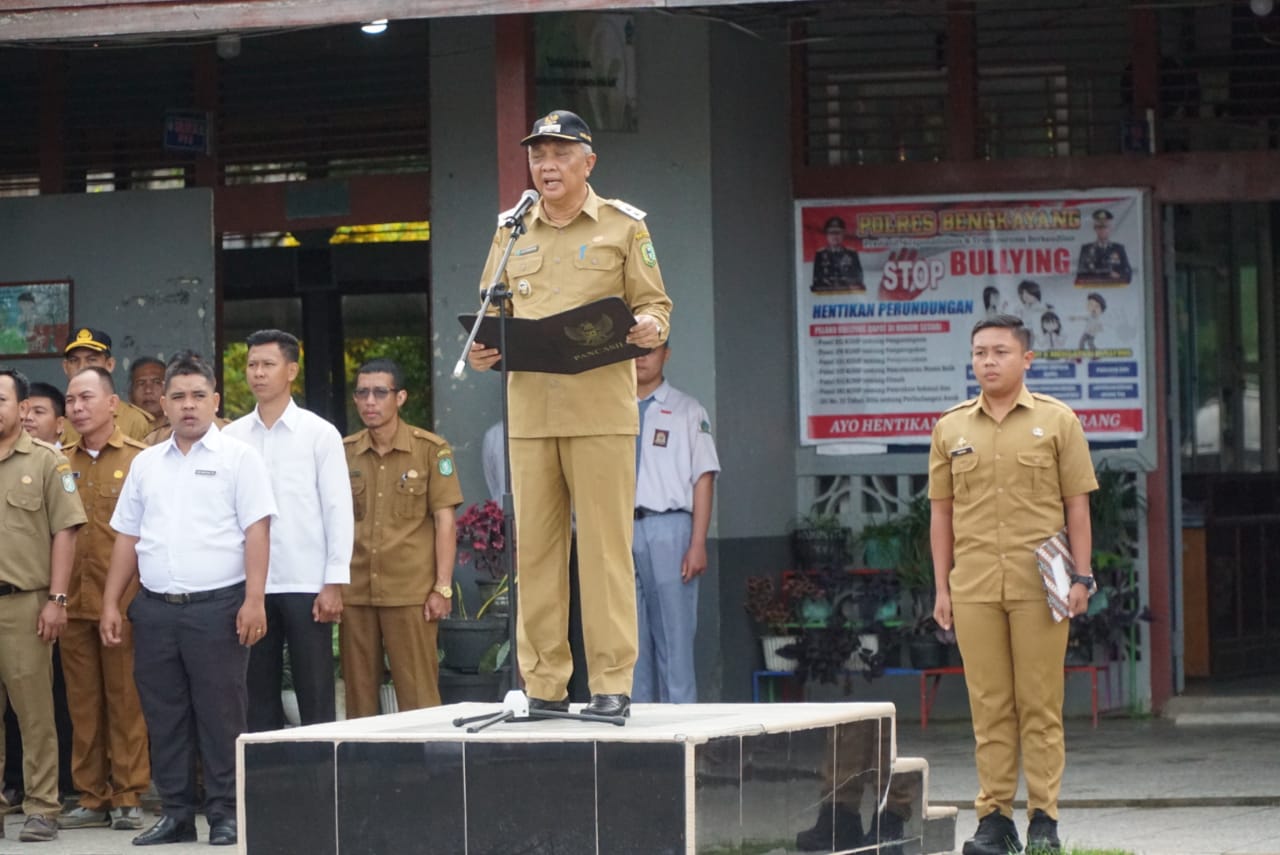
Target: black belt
(194,596)
(642,513)
(6,590)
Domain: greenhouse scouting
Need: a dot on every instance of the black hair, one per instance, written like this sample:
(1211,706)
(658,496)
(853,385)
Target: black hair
(48,390)
(1098,298)
(987,293)
(103,375)
(26,297)
(1029,286)
(188,363)
(383,365)
(1004,322)
(21,385)
(1050,317)
(142,362)
(287,341)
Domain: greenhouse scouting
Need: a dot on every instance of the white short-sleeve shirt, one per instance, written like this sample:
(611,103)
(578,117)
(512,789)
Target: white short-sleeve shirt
(190,512)
(676,449)
(312,536)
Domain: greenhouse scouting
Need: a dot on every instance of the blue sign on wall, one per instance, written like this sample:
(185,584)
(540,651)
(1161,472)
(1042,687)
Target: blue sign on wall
(185,130)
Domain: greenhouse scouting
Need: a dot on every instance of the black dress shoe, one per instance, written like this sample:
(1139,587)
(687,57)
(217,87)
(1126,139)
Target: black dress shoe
(608,705)
(222,832)
(997,835)
(1042,833)
(167,830)
(539,705)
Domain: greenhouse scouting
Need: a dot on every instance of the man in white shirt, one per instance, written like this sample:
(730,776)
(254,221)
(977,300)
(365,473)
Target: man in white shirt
(310,539)
(676,466)
(194,522)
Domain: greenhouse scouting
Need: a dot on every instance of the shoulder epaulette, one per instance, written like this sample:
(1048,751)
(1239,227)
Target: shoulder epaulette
(419,433)
(506,215)
(48,445)
(1049,399)
(630,210)
(960,406)
(135,443)
(347,440)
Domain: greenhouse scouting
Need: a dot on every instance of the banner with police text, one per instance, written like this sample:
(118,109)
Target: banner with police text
(888,291)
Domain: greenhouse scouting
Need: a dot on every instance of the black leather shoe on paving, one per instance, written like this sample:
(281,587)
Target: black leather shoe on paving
(222,832)
(610,705)
(167,830)
(1042,833)
(996,835)
(539,705)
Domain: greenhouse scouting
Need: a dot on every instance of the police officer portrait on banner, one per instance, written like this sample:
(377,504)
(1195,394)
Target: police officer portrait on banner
(1103,261)
(836,268)
(572,436)
(1008,471)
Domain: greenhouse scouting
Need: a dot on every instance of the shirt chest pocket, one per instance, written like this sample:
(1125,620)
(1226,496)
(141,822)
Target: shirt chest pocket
(359,497)
(597,272)
(964,475)
(22,511)
(1037,474)
(526,268)
(104,498)
(411,498)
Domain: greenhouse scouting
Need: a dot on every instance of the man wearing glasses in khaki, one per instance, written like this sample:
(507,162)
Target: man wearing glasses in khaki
(404,489)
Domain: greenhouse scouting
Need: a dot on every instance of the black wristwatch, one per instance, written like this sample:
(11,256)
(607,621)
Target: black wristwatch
(1090,583)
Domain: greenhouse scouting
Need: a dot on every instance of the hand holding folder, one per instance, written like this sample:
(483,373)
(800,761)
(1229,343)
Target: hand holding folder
(1056,569)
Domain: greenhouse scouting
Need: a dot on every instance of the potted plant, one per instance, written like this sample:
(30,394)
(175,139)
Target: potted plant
(1108,630)
(770,607)
(821,540)
(482,537)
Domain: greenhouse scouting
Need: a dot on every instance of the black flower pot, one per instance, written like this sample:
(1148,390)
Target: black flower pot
(815,549)
(457,687)
(927,652)
(465,642)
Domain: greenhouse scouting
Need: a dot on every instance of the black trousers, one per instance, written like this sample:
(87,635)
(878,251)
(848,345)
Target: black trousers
(190,669)
(289,623)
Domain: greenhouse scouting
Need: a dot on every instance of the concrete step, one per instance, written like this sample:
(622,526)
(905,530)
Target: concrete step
(1200,710)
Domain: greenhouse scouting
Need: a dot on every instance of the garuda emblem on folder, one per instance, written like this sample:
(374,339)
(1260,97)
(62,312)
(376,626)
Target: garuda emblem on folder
(591,333)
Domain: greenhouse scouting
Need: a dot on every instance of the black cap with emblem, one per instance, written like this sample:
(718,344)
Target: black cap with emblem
(90,338)
(560,125)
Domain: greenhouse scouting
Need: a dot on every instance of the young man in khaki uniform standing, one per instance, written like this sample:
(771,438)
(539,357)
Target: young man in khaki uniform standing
(40,516)
(110,764)
(404,490)
(573,436)
(1007,469)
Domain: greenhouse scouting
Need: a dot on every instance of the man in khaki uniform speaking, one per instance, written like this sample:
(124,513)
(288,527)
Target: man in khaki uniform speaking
(404,490)
(88,348)
(110,765)
(573,436)
(41,513)
(1006,470)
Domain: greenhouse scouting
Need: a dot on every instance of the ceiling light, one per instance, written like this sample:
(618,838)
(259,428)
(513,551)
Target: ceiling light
(379,26)
(1262,8)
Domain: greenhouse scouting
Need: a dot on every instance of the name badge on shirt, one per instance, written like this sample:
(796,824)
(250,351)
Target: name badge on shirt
(206,472)
(660,438)
(960,452)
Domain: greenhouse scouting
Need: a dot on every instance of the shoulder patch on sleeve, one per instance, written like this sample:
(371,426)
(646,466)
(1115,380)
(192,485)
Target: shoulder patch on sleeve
(630,210)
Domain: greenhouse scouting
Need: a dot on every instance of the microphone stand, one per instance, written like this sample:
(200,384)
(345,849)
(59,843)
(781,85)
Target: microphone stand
(515,704)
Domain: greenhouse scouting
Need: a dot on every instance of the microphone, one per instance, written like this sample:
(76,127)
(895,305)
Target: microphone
(513,216)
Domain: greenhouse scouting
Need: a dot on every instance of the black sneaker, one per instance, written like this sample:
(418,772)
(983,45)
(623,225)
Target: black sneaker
(996,835)
(1042,833)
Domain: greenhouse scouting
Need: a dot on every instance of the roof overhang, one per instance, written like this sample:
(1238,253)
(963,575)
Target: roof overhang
(47,20)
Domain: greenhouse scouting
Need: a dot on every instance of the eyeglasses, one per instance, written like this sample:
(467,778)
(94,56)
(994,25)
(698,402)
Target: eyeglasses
(379,393)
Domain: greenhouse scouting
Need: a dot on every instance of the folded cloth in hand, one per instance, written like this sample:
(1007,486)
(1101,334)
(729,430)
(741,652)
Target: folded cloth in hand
(1056,568)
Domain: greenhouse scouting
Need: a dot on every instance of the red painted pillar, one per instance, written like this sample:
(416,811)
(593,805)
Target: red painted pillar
(513,67)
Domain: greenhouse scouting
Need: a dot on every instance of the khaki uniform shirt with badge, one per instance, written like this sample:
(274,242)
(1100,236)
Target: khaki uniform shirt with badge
(605,252)
(394,496)
(1007,481)
(98,482)
(133,421)
(39,501)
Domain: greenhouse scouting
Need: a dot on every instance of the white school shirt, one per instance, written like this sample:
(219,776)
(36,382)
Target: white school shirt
(676,449)
(311,536)
(190,512)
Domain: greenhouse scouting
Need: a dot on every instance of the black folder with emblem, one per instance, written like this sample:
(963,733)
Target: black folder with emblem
(566,343)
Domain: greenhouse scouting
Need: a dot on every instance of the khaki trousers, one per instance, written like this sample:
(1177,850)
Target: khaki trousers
(1013,658)
(26,677)
(596,476)
(409,641)
(110,763)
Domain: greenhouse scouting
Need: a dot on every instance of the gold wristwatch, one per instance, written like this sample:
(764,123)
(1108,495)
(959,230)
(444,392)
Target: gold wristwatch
(60,599)
(445,591)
